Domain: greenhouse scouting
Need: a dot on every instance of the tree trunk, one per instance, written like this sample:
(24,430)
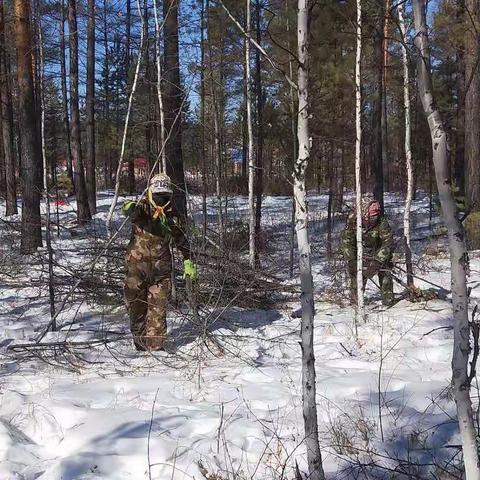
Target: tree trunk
(377,107)
(472,103)
(314,457)
(360,312)
(173,105)
(128,22)
(162,152)
(83,210)
(204,12)
(458,251)
(259,162)
(31,160)
(127,121)
(459,163)
(63,75)
(408,150)
(6,112)
(106,135)
(384,96)
(90,111)
(251,164)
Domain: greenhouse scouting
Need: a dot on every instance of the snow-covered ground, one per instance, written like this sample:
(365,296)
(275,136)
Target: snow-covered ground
(231,408)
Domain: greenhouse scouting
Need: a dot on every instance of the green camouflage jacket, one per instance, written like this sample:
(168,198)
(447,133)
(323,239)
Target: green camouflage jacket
(155,234)
(377,241)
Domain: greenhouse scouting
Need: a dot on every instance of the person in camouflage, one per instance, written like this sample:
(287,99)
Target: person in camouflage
(377,249)
(148,286)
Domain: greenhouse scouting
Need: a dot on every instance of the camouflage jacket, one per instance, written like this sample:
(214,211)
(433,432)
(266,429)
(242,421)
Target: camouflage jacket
(377,241)
(153,236)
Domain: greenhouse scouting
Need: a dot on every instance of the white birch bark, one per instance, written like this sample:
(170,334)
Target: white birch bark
(251,165)
(126,124)
(360,312)
(408,149)
(457,248)
(158,27)
(314,457)
(48,237)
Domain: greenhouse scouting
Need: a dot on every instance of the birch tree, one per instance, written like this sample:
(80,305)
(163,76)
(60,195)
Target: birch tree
(163,163)
(251,165)
(457,247)
(126,123)
(360,313)
(408,148)
(314,457)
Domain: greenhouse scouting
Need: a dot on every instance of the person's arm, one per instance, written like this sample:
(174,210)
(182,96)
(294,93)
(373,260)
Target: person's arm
(348,244)
(133,210)
(385,252)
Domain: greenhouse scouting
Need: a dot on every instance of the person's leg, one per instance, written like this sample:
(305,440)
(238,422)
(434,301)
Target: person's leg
(386,284)
(156,319)
(135,291)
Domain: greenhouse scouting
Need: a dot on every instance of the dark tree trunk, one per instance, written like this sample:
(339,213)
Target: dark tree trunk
(131,159)
(6,112)
(472,104)
(173,104)
(90,110)
(107,166)
(83,211)
(63,75)
(30,146)
(377,113)
(260,102)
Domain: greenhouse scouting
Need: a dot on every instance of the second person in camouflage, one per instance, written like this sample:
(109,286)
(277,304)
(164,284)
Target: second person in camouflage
(377,249)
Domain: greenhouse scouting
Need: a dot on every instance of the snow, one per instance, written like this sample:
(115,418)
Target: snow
(109,412)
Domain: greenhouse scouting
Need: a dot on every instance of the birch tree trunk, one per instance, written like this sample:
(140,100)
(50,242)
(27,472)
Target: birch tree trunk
(90,175)
(251,165)
(29,146)
(204,11)
(360,313)
(458,252)
(6,113)
(48,236)
(126,124)
(314,457)
(259,159)
(83,210)
(163,163)
(408,150)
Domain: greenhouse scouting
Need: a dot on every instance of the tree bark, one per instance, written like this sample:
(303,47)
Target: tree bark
(90,111)
(377,113)
(314,457)
(251,163)
(259,160)
(162,153)
(63,76)
(6,112)
(472,103)
(128,34)
(457,247)
(459,163)
(83,210)
(360,311)
(30,149)
(173,105)
(408,150)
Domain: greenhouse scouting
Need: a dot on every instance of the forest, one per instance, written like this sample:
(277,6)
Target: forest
(239,239)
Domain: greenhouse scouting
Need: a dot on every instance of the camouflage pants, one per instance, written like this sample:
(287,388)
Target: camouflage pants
(147,291)
(371,269)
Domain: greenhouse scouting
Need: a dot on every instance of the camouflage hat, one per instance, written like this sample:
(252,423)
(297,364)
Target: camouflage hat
(160,183)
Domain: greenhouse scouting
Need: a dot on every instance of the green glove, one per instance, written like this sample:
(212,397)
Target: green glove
(127,207)
(190,270)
